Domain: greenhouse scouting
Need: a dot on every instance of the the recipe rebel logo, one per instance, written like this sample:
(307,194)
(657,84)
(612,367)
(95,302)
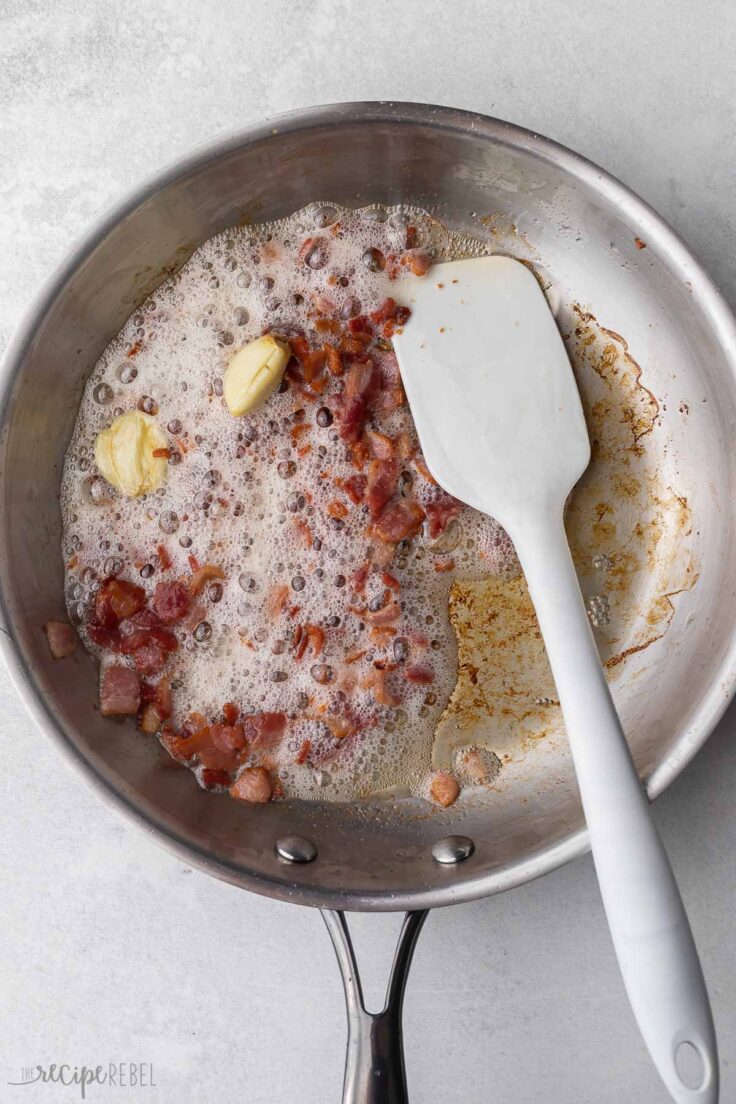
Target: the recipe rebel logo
(123,1075)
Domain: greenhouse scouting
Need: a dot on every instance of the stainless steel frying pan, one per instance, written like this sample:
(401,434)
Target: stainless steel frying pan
(583,226)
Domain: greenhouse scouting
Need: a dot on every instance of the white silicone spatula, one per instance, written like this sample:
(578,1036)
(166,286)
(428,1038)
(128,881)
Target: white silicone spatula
(501,426)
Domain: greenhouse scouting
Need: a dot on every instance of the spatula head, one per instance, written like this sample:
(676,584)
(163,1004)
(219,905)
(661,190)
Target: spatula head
(491,389)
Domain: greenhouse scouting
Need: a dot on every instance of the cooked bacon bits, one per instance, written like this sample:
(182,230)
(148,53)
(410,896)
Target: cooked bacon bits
(399,520)
(230,713)
(355,487)
(264,730)
(303,753)
(306,637)
(61,638)
(445,789)
(156,705)
(120,692)
(253,785)
(360,381)
(382,479)
(203,575)
(119,599)
(171,601)
(350,513)
(418,261)
(440,512)
(164,558)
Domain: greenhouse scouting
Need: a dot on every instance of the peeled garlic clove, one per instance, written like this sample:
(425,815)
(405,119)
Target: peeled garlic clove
(124,454)
(254,373)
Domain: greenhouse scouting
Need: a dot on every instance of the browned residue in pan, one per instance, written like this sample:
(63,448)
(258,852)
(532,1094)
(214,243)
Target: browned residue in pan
(628,533)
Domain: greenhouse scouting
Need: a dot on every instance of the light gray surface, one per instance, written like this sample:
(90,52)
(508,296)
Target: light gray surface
(112,950)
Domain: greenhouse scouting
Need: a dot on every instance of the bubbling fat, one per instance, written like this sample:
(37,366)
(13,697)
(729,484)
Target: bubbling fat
(247,495)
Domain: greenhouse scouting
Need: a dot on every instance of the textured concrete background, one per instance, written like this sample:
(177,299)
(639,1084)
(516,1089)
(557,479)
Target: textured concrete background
(109,948)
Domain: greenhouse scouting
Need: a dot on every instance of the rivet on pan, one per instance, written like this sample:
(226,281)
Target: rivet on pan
(452,849)
(296,849)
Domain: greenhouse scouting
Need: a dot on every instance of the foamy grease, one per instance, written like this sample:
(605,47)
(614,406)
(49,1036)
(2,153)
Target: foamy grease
(236,487)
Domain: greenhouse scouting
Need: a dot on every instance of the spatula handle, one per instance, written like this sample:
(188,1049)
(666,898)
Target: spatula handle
(651,933)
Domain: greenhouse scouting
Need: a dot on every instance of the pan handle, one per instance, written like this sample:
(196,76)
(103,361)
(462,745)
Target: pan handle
(374,1067)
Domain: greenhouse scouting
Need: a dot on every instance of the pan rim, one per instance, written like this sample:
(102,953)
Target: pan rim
(652,228)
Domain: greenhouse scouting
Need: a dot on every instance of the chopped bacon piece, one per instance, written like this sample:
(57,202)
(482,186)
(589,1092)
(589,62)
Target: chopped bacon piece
(337,509)
(163,557)
(212,779)
(441,566)
(253,785)
(171,602)
(385,616)
(354,487)
(194,739)
(340,726)
(359,325)
(150,719)
(390,398)
(163,699)
(116,599)
(382,478)
(380,445)
(228,737)
(202,575)
(358,384)
(150,658)
(420,673)
(176,744)
(390,580)
(61,637)
(355,655)
(359,577)
(333,360)
(264,730)
(440,512)
(386,311)
(381,634)
(377,683)
(303,753)
(404,445)
(418,261)
(161,453)
(445,789)
(383,553)
(120,692)
(139,637)
(217,758)
(356,343)
(156,705)
(398,520)
(230,713)
(312,368)
(104,636)
(390,315)
(308,636)
(299,347)
(326,325)
(276,600)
